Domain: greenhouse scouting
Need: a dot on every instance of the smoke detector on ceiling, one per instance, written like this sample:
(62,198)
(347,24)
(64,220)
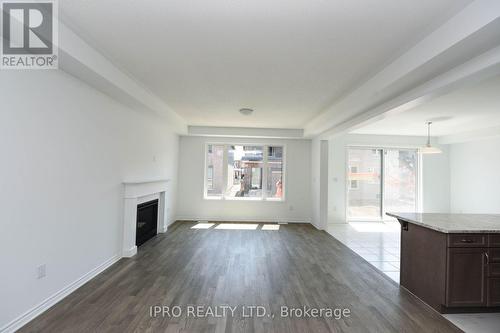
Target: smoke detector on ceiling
(246,111)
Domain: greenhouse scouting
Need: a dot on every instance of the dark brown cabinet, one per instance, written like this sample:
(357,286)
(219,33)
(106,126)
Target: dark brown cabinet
(473,271)
(495,240)
(466,277)
(494,273)
(494,292)
(451,272)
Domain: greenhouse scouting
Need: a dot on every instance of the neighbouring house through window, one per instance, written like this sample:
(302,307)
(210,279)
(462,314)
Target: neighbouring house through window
(244,172)
(214,172)
(353,183)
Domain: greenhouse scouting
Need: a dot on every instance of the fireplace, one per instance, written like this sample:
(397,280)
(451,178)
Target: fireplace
(135,194)
(147,221)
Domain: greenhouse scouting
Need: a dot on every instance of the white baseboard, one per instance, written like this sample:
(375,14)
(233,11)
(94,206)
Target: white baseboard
(239,219)
(337,222)
(130,252)
(314,225)
(31,314)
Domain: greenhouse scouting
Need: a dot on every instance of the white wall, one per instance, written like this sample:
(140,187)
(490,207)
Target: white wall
(192,205)
(435,173)
(475,177)
(65,151)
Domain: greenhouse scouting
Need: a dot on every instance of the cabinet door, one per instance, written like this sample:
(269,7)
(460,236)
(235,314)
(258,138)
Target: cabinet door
(494,292)
(466,278)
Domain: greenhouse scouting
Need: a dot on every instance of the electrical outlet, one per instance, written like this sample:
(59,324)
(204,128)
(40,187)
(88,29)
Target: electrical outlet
(41,271)
(290,207)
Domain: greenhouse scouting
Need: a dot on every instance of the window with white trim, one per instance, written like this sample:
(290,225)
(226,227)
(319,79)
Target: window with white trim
(245,172)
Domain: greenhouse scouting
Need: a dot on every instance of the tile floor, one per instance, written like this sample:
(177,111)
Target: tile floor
(379,244)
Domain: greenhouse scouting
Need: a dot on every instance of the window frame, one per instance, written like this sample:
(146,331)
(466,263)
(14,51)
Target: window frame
(265,165)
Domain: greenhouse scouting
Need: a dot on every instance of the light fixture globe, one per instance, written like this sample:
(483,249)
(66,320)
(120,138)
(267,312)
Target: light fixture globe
(246,111)
(430,150)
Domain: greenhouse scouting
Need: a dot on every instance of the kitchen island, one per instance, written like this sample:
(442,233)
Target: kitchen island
(451,261)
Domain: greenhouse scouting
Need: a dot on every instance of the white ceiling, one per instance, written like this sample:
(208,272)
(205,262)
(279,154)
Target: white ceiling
(468,109)
(287,59)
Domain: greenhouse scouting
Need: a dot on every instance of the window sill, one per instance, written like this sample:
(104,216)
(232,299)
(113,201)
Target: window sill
(276,199)
(212,198)
(252,199)
(243,199)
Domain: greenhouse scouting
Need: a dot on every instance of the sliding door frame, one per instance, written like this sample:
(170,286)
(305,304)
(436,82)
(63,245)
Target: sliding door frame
(383,149)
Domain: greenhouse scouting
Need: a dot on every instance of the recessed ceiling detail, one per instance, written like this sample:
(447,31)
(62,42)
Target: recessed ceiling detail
(296,57)
(468,109)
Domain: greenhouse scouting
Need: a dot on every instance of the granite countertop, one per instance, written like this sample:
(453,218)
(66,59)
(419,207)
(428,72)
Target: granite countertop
(453,223)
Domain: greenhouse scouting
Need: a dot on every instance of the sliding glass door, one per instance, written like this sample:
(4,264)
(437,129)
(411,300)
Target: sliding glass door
(400,180)
(364,184)
(381,180)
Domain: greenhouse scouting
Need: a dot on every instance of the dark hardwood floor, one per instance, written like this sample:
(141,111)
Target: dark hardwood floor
(296,266)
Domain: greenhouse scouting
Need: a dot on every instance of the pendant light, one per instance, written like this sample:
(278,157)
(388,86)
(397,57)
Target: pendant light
(428,149)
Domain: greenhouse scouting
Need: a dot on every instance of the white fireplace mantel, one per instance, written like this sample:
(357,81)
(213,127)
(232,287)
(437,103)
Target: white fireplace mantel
(132,193)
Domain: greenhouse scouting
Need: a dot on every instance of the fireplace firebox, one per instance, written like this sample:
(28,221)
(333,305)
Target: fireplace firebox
(147,221)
